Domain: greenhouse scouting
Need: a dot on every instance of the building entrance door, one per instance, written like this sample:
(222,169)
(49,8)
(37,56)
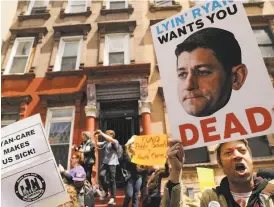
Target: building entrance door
(122,117)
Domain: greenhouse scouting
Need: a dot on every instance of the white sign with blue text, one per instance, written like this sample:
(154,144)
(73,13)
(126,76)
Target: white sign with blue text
(216,85)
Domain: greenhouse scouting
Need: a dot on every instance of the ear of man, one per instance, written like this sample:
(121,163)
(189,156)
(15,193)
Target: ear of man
(239,74)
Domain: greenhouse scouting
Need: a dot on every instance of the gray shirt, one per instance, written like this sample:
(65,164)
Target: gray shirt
(111,156)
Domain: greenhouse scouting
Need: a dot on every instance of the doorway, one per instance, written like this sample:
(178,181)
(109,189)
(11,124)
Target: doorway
(123,118)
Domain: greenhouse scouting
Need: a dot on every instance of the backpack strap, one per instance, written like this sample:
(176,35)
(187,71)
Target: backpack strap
(269,189)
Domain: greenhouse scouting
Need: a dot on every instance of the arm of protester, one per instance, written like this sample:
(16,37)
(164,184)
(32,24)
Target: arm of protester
(107,137)
(64,173)
(97,144)
(173,193)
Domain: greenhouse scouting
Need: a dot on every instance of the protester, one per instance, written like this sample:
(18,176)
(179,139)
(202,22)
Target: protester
(238,188)
(76,168)
(209,67)
(84,191)
(133,177)
(110,161)
(154,186)
(87,148)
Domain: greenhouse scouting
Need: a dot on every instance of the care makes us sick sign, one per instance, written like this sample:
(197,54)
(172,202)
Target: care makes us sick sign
(29,173)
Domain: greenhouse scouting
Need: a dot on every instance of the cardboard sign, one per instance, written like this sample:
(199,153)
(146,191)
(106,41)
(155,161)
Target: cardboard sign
(206,178)
(29,172)
(150,150)
(209,63)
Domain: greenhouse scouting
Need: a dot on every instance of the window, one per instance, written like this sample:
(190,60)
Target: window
(198,155)
(116,49)
(265,41)
(60,132)
(68,57)
(37,7)
(8,118)
(163,2)
(262,144)
(117,4)
(19,57)
(77,6)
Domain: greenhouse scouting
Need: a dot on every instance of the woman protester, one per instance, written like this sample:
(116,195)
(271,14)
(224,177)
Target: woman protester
(87,148)
(132,174)
(75,162)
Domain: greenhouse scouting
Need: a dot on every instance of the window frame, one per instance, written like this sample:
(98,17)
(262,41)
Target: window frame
(69,7)
(108,3)
(31,4)
(126,48)
(61,48)
(56,120)
(170,1)
(13,53)
(270,35)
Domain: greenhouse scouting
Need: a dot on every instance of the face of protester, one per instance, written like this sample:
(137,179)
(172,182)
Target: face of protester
(84,138)
(74,161)
(236,162)
(203,86)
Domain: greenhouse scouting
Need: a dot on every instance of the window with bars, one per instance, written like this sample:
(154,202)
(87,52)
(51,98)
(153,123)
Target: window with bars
(20,54)
(77,6)
(265,41)
(68,57)
(117,4)
(116,49)
(60,131)
(163,2)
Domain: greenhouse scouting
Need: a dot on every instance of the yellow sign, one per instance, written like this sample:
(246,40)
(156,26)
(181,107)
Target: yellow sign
(150,150)
(206,178)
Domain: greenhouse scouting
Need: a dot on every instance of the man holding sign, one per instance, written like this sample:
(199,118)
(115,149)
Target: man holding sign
(238,188)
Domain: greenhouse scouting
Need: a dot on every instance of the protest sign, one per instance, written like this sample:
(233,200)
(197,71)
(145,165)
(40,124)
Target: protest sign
(150,150)
(206,178)
(209,62)
(28,169)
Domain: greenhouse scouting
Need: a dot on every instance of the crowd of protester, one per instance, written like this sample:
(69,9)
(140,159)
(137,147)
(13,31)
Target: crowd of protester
(238,188)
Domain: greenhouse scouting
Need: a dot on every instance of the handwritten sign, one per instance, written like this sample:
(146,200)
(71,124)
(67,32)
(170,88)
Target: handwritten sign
(206,178)
(150,150)
(29,173)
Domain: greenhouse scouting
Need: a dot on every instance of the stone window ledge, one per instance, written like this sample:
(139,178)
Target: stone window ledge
(69,30)
(52,74)
(18,76)
(105,11)
(45,16)
(116,26)
(176,6)
(269,63)
(129,69)
(265,19)
(16,100)
(254,4)
(63,14)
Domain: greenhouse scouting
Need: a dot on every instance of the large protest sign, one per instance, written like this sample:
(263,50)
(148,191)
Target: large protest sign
(28,169)
(150,150)
(215,82)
